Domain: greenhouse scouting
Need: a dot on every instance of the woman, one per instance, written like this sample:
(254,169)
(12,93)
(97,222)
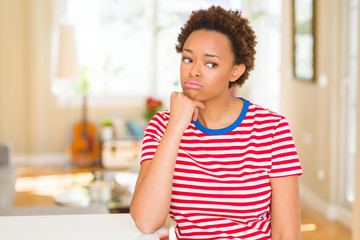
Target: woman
(224,168)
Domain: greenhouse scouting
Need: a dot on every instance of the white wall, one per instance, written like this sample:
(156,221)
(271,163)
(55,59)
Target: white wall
(313,110)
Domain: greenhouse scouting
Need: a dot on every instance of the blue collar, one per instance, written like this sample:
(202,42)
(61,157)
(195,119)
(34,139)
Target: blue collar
(228,128)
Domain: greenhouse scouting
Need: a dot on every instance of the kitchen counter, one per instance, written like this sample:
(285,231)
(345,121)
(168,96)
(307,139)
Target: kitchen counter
(60,227)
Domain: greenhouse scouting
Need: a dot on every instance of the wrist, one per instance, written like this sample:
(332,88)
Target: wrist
(174,129)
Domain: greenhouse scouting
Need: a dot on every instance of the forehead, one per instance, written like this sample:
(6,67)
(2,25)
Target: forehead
(205,41)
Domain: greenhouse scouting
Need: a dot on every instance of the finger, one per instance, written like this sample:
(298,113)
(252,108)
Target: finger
(195,114)
(200,105)
(173,94)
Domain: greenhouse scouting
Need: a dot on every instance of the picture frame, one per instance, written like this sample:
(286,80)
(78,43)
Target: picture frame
(304,40)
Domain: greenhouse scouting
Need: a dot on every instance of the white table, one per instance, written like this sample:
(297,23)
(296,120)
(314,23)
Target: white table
(60,227)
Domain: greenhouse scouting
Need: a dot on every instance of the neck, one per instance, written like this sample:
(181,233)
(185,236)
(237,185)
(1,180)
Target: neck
(220,113)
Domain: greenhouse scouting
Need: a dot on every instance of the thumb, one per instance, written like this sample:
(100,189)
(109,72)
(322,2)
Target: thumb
(200,105)
(195,114)
(196,110)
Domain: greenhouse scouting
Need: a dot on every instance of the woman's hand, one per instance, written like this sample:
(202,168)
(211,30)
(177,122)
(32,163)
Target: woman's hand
(183,109)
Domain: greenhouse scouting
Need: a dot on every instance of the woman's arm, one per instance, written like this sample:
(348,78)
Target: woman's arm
(151,200)
(285,208)
(152,196)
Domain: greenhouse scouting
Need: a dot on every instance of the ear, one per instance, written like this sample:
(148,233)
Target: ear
(237,71)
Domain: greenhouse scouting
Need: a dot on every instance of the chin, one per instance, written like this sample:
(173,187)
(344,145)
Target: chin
(193,95)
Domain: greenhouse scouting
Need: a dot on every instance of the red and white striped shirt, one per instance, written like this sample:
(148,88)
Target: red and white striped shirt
(221,184)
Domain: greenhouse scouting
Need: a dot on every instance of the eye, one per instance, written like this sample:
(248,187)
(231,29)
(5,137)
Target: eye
(186,60)
(211,65)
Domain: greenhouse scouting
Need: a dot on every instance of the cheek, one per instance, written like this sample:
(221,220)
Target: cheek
(219,81)
(219,78)
(182,74)
(181,68)
(184,70)
(184,67)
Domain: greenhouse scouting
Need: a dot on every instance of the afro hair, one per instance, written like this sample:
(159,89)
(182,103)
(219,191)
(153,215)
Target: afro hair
(234,26)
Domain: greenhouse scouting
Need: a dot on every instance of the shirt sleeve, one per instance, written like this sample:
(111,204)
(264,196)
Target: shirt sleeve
(153,134)
(285,160)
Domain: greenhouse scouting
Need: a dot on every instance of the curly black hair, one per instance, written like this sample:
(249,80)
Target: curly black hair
(234,26)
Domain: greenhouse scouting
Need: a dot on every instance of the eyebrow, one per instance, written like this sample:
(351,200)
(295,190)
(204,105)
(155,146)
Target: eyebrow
(206,54)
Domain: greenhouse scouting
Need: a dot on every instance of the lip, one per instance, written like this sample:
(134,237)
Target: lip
(192,84)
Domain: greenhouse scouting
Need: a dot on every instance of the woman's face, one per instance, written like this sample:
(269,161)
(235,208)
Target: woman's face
(207,65)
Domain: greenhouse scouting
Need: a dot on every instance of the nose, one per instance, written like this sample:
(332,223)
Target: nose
(195,70)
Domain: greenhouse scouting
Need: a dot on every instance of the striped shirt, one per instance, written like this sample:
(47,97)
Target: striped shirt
(221,185)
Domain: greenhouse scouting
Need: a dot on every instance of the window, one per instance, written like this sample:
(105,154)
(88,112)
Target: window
(128,46)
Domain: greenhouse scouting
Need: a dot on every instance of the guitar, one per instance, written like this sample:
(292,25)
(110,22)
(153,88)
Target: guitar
(85,150)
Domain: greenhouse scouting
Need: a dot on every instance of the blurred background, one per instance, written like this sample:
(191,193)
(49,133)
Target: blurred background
(112,63)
